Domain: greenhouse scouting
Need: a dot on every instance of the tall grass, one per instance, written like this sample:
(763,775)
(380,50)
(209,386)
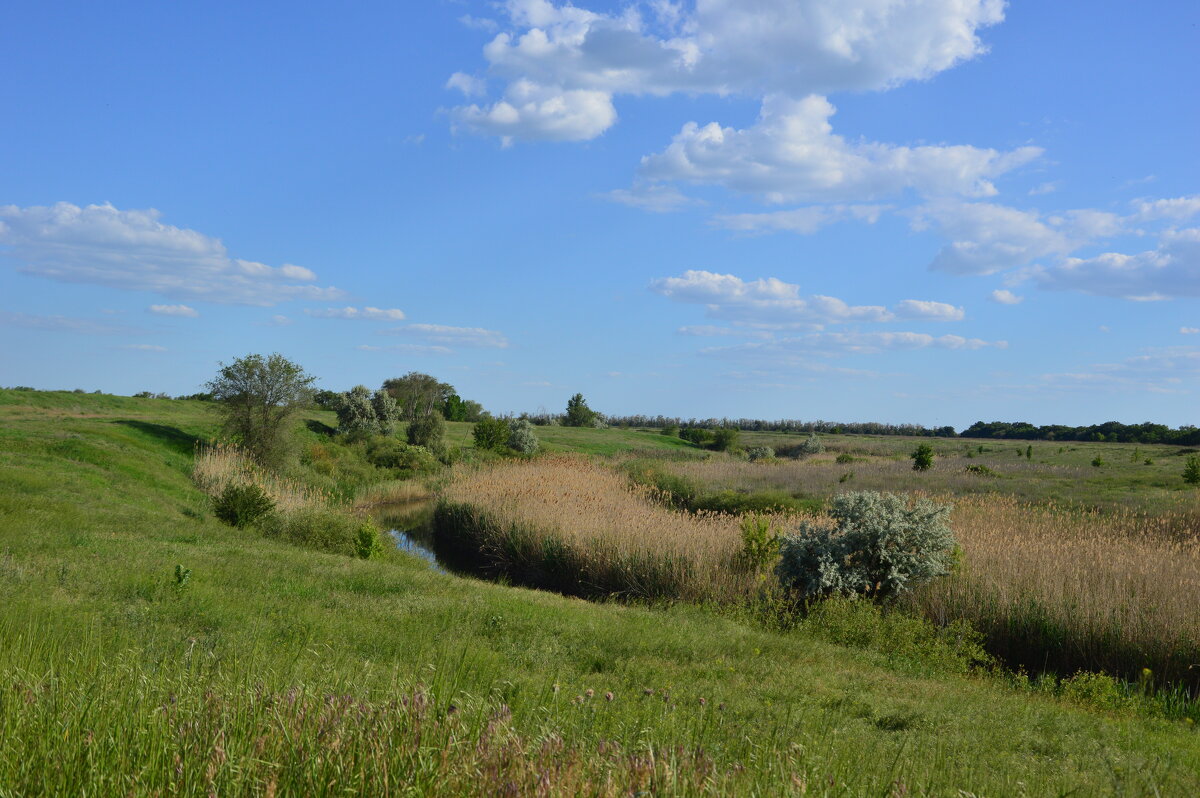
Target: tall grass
(574,526)
(1066,590)
(219,465)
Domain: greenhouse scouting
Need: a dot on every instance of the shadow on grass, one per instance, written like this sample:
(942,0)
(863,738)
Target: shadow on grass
(320,428)
(173,437)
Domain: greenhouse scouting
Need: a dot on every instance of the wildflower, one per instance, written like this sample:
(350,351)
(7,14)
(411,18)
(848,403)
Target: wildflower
(608,696)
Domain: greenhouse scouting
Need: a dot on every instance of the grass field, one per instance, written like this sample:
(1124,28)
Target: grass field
(264,668)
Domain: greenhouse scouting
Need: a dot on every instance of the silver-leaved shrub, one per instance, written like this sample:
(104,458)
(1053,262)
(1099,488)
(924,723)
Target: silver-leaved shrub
(521,437)
(880,546)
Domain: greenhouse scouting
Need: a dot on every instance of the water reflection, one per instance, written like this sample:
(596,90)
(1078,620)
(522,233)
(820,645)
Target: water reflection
(410,525)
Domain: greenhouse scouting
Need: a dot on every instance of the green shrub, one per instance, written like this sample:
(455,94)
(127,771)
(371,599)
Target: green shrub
(397,455)
(760,453)
(1095,690)
(879,547)
(724,439)
(845,458)
(491,434)
(849,475)
(922,457)
(366,542)
(696,435)
(812,445)
(428,430)
(319,528)
(670,431)
(1191,471)
(242,505)
(760,543)
(980,470)
(1097,461)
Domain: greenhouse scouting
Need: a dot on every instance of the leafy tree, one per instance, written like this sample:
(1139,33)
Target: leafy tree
(725,439)
(491,434)
(428,431)
(418,394)
(258,397)
(455,408)
(1191,471)
(356,414)
(578,413)
(922,457)
(387,412)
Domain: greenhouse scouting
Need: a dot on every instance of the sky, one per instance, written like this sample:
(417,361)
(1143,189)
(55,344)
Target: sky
(908,211)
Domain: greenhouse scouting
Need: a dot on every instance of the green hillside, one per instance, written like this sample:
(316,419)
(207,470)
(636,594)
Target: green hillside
(147,649)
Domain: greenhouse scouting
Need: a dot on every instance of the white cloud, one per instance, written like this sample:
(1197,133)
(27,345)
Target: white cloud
(1189,330)
(64,324)
(1006,297)
(772,303)
(365,314)
(800,220)
(929,311)
(145,348)
(174,310)
(279,320)
(712,330)
(133,250)
(452,336)
(1156,370)
(1171,270)
(1043,188)
(988,238)
(470,86)
(792,154)
(530,111)
(721,47)
(653,198)
(1176,209)
(834,344)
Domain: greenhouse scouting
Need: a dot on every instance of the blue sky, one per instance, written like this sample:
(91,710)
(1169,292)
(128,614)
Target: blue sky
(930,211)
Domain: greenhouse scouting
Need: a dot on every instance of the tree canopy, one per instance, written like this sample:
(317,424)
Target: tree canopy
(258,397)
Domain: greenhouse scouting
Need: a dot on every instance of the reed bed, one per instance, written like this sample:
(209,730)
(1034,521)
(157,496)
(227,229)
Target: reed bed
(1060,590)
(571,525)
(219,465)
(396,491)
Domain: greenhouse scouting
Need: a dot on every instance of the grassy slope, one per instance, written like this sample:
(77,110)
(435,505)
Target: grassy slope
(96,509)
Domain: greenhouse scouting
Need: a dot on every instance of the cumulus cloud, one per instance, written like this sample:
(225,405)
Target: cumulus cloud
(791,154)
(476,337)
(773,303)
(988,238)
(470,86)
(174,310)
(1176,209)
(795,47)
(358,314)
(1006,297)
(800,220)
(1171,270)
(534,112)
(67,324)
(134,250)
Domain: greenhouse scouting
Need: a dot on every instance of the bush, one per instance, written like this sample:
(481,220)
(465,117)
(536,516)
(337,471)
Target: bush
(696,435)
(579,414)
(1191,471)
(670,431)
(760,453)
(521,437)
(811,445)
(1097,461)
(922,457)
(355,412)
(844,458)
(724,439)
(760,543)
(316,528)
(879,547)
(428,430)
(491,434)
(242,505)
(394,454)
(366,542)
(980,470)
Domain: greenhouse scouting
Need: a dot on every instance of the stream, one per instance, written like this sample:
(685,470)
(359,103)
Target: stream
(410,526)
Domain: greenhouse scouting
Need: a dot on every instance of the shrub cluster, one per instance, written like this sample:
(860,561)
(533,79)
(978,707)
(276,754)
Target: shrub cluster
(760,453)
(879,547)
(242,505)
(362,413)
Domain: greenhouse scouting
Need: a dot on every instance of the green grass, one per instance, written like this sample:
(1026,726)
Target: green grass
(275,668)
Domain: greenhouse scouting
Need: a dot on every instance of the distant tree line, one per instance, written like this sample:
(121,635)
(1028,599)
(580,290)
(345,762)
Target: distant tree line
(782,425)
(1110,431)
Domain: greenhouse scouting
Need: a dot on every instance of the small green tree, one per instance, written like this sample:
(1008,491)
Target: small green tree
(428,430)
(578,413)
(922,457)
(521,437)
(1191,471)
(259,397)
(491,434)
(725,438)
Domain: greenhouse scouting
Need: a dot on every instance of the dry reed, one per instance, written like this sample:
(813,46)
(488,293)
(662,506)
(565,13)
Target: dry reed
(220,464)
(582,516)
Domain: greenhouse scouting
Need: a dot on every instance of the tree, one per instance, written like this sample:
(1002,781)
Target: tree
(258,397)
(362,413)
(521,437)
(1191,471)
(725,438)
(418,394)
(428,431)
(578,413)
(491,434)
(922,457)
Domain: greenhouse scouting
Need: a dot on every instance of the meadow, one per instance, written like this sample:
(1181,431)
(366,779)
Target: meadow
(146,648)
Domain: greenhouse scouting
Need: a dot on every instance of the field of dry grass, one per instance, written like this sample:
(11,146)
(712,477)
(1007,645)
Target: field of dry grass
(1050,588)
(219,465)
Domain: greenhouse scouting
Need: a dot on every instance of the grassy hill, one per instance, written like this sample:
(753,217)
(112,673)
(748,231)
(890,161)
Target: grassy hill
(145,648)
